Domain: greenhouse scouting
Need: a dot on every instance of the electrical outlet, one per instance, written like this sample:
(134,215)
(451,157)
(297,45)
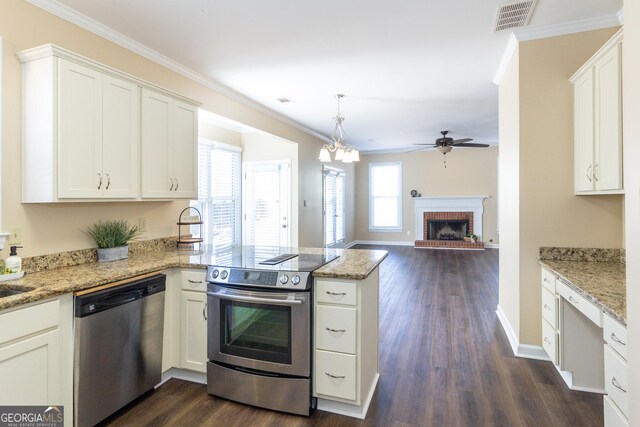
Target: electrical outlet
(15,236)
(142,224)
(408,233)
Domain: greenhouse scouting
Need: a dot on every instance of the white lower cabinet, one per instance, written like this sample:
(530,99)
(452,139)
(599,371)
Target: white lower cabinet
(193,321)
(550,324)
(345,362)
(36,355)
(336,374)
(616,382)
(193,331)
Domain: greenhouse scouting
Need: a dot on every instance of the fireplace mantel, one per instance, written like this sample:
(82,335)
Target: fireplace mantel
(449,204)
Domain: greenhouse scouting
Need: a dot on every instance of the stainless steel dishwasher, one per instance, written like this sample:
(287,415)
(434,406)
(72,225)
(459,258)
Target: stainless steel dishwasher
(118,346)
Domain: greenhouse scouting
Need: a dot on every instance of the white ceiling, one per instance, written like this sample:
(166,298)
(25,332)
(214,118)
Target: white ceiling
(408,68)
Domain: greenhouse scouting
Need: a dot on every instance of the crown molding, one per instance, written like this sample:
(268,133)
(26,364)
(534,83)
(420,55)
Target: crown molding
(512,45)
(535,33)
(68,14)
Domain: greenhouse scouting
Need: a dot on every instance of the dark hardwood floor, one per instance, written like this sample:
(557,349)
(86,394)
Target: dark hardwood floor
(444,361)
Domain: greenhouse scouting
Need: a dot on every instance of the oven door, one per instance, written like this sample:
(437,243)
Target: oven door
(262,330)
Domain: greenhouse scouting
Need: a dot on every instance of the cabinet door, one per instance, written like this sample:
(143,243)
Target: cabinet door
(120,138)
(193,331)
(156,145)
(79,131)
(185,132)
(583,133)
(30,371)
(608,123)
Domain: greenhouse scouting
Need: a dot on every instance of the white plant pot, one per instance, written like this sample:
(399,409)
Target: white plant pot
(113,254)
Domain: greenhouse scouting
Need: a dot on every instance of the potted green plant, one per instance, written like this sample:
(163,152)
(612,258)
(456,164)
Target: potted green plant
(112,238)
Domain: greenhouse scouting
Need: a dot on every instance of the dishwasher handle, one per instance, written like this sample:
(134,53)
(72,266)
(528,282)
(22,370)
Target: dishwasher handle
(118,299)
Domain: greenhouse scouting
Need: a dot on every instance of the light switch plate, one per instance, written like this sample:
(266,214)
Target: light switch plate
(15,236)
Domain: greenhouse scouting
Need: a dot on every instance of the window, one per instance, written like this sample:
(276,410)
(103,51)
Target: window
(333,201)
(385,201)
(219,194)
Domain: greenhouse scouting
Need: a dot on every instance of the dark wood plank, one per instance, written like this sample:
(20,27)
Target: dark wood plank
(444,361)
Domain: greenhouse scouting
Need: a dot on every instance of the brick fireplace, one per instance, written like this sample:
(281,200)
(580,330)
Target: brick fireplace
(443,222)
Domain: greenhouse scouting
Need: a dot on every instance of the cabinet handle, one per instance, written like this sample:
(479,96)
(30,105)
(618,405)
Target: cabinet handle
(336,330)
(194,281)
(547,340)
(177,184)
(204,311)
(616,339)
(99,180)
(335,376)
(336,293)
(573,300)
(617,385)
(171,189)
(108,181)
(595,172)
(547,280)
(547,307)
(589,174)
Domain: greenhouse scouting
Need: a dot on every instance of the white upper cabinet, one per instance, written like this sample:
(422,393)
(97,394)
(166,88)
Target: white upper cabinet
(169,138)
(598,122)
(82,133)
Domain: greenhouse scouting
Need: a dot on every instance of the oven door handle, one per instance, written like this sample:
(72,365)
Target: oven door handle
(233,297)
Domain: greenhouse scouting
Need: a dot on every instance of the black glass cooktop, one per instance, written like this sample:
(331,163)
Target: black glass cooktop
(254,257)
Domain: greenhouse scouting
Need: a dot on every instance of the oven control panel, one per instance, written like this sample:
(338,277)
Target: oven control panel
(259,278)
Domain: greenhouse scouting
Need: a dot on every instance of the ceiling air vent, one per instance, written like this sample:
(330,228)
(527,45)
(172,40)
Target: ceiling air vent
(514,15)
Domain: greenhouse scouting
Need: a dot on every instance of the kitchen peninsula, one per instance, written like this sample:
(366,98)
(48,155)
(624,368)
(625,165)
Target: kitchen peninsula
(44,311)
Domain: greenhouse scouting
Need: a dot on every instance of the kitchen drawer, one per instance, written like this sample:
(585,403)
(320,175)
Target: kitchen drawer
(28,320)
(336,329)
(194,280)
(550,341)
(615,335)
(343,293)
(585,306)
(550,308)
(548,280)
(612,415)
(335,374)
(615,379)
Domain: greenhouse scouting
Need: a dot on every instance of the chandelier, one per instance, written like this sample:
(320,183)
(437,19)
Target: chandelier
(346,153)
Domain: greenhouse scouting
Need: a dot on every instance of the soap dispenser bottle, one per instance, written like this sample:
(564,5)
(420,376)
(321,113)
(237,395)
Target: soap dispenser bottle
(13,264)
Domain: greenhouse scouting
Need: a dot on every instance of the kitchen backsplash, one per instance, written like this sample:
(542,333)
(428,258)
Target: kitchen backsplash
(83,256)
(583,254)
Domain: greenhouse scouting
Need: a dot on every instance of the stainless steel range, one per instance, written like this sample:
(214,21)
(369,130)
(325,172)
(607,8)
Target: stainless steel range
(260,304)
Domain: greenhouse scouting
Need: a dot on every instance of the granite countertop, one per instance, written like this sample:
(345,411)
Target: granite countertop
(355,264)
(601,282)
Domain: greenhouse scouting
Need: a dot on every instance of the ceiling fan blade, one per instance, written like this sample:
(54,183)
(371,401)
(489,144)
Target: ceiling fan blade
(471,145)
(427,143)
(417,149)
(460,141)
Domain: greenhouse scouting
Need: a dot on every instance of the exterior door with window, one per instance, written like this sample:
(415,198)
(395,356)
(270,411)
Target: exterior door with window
(267,195)
(333,207)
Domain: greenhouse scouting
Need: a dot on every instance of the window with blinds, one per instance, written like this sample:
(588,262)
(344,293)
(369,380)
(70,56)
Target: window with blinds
(385,196)
(219,193)
(333,200)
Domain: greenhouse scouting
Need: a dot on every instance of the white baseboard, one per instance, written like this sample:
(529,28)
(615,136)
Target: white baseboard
(381,242)
(348,409)
(526,351)
(348,245)
(182,374)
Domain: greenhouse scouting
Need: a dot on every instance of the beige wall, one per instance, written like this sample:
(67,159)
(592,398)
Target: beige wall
(509,189)
(469,172)
(549,213)
(219,134)
(631,104)
(53,228)
(260,147)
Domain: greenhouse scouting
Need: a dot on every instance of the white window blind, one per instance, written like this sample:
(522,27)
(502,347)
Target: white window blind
(385,196)
(219,194)
(333,185)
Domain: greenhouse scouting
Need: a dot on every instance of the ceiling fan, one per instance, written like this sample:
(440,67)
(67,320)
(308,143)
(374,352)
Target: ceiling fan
(446,144)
